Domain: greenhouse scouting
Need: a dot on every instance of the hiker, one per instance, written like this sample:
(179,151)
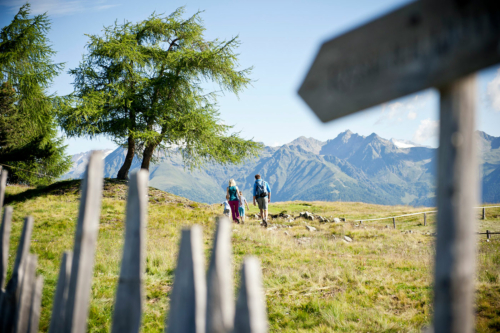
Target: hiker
(262,193)
(234,199)
(227,208)
(241,210)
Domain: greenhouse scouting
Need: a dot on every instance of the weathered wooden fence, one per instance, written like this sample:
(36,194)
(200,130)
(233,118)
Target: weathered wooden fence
(198,303)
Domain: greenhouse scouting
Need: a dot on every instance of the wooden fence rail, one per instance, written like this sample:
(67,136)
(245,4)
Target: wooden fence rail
(199,303)
(483,215)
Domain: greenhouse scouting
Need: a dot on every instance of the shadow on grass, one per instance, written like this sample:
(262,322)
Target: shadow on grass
(60,188)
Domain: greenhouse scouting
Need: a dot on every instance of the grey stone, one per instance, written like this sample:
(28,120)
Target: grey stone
(308,227)
(347,239)
(336,220)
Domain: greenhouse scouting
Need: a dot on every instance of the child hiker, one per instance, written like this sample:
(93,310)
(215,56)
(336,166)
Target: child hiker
(241,209)
(227,208)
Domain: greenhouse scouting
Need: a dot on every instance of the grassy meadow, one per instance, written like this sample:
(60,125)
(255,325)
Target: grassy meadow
(314,281)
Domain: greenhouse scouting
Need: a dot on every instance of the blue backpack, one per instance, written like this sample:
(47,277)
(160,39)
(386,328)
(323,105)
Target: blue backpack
(261,191)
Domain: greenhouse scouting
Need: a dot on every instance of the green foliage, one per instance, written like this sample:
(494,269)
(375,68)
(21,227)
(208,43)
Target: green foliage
(142,85)
(28,132)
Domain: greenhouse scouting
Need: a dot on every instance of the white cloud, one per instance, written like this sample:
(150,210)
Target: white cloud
(493,91)
(427,129)
(57,7)
(397,112)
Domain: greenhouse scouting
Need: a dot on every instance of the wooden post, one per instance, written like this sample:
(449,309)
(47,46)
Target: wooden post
(84,249)
(36,304)
(188,297)
(220,297)
(4,245)
(456,195)
(11,296)
(22,317)
(129,296)
(3,184)
(425,219)
(61,294)
(488,235)
(394,222)
(250,307)
(484,213)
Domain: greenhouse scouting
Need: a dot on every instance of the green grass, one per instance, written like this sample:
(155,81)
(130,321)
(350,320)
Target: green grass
(314,281)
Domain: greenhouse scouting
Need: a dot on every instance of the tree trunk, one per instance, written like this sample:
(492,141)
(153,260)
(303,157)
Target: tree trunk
(123,173)
(148,154)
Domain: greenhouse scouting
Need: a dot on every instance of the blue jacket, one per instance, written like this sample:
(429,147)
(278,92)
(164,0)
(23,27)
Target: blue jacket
(255,186)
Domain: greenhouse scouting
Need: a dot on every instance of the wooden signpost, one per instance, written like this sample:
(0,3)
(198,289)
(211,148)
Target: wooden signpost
(427,43)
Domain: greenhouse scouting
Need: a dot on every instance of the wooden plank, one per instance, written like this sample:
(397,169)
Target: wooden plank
(423,44)
(36,305)
(3,185)
(85,241)
(61,294)
(484,213)
(251,314)
(188,298)
(220,297)
(129,297)
(22,316)
(11,297)
(457,193)
(425,219)
(4,245)
(394,222)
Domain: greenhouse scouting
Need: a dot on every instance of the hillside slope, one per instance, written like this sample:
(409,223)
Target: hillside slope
(350,167)
(313,281)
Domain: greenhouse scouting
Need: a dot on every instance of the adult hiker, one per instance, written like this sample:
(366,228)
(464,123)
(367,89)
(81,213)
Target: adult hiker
(262,194)
(241,210)
(234,199)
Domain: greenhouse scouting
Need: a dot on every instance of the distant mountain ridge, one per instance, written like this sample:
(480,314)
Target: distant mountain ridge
(350,167)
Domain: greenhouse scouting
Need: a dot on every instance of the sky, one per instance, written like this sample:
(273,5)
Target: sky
(279,39)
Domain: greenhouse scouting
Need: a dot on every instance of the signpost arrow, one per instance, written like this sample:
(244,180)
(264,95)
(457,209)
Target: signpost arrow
(421,45)
(428,43)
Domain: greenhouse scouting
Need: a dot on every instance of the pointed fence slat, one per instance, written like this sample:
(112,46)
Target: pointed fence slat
(250,307)
(36,305)
(3,184)
(4,245)
(26,295)
(10,298)
(188,297)
(84,249)
(61,294)
(220,297)
(129,297)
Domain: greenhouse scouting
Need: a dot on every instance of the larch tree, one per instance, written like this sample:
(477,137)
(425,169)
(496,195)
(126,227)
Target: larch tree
(29,142)
(141,84)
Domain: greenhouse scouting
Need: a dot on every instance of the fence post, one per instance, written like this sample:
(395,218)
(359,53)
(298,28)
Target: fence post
(484,213)
(4,245)
(394,222)
(129,296)
(22,317)
(488,235)
(61,294)
(425,219)
(189,292)
(457,193)
(220,297)
(36,304)
(84,248)
(250,307)
(10,298)
(3,184)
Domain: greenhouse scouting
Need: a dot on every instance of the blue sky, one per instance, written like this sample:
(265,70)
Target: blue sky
(279,39)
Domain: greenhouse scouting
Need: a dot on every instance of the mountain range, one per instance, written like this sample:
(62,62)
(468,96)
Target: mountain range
(350,167)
